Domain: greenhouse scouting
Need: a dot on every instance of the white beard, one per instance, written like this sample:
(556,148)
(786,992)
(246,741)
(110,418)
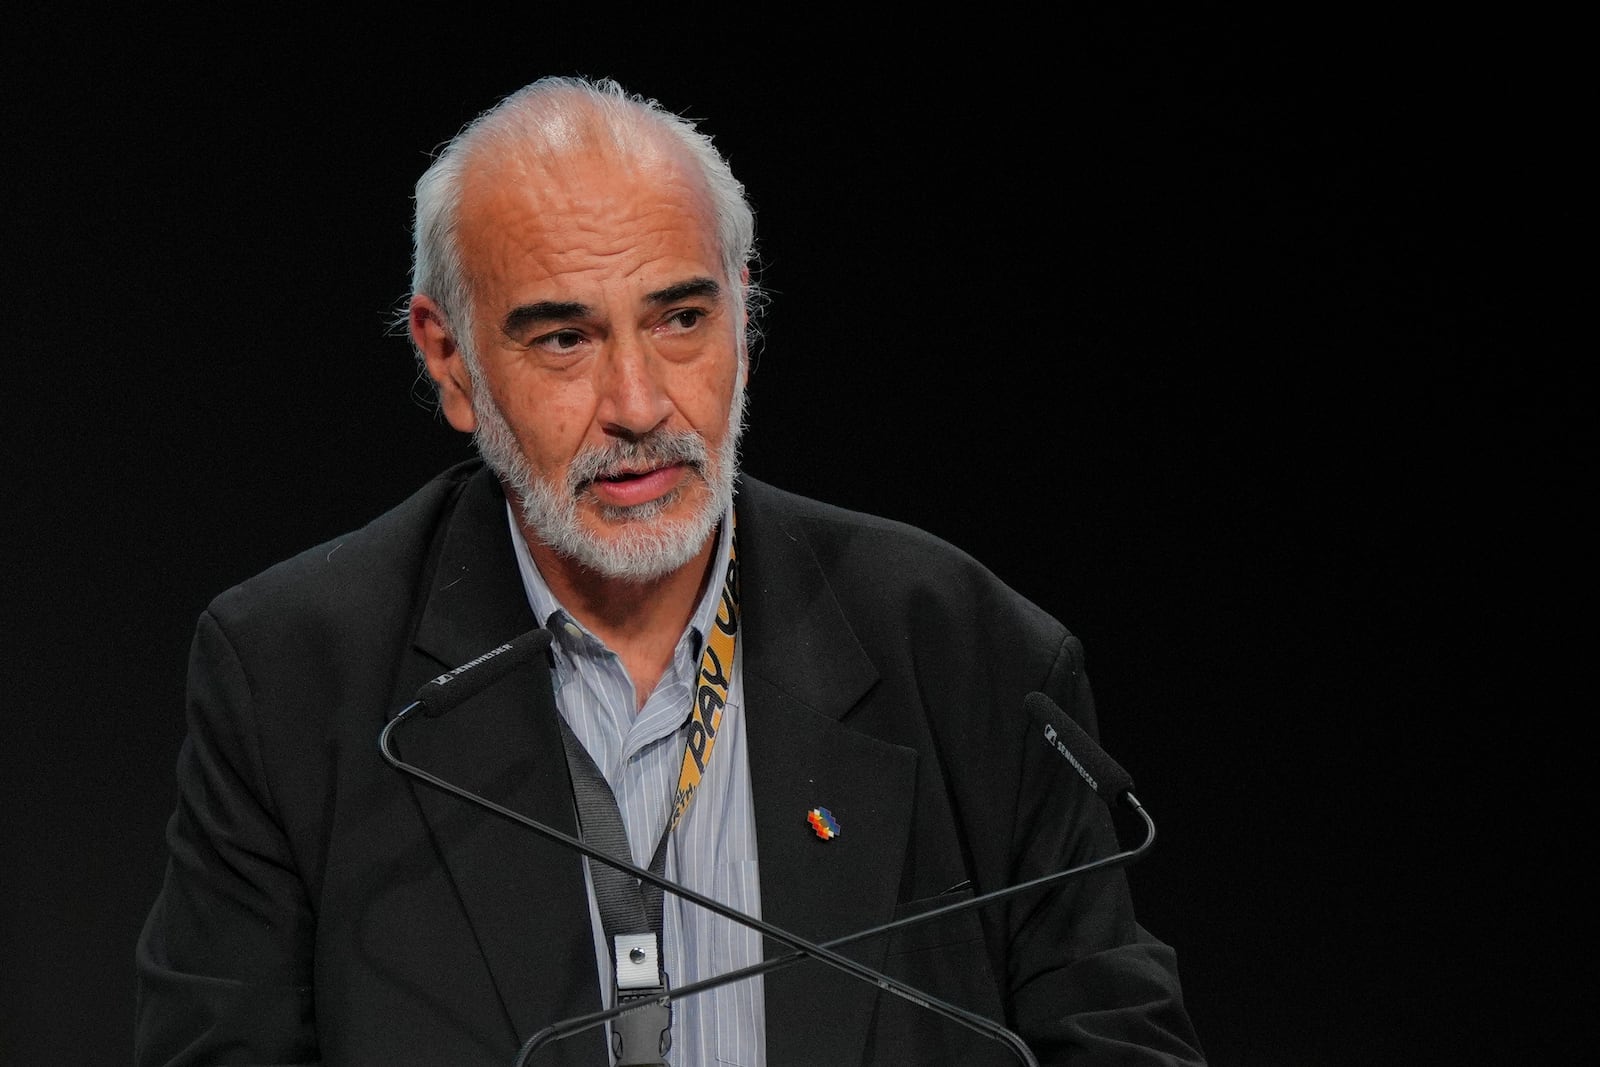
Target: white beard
(642,546)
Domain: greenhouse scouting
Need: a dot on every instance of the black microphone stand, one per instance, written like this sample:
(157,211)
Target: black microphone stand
(805,948)
(568,1027)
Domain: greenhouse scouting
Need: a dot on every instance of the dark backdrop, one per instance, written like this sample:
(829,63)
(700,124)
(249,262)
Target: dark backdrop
(1199,330)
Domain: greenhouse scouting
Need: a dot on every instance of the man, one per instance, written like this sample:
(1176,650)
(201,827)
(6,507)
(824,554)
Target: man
(582,299)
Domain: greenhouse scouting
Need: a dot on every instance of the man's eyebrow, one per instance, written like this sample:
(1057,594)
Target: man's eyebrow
(519,320)
(687,290)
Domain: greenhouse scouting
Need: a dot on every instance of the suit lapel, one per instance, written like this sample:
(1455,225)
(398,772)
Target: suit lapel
(523,894)
(804,671)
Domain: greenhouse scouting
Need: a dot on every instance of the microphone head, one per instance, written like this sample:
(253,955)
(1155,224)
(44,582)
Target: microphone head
(456,687)
(1057,729)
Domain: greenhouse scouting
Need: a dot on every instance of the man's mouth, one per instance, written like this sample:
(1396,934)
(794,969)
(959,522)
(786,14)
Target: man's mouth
(636,472)
(625,476)
(640,485)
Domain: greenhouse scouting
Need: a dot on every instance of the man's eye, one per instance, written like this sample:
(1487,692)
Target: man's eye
(686,318)
(561,340)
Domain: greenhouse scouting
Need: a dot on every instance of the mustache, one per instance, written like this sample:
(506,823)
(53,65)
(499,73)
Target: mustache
(659,448)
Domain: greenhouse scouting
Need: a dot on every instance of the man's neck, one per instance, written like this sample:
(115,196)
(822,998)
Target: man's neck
(641,621)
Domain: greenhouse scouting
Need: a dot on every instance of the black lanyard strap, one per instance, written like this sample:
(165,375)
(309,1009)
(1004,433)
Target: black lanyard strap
(630,914)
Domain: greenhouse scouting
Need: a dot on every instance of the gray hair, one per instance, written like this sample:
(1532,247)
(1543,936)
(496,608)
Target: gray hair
(546,118)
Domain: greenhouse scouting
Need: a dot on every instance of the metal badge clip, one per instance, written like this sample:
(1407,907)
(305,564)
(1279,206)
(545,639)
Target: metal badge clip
(641,1036)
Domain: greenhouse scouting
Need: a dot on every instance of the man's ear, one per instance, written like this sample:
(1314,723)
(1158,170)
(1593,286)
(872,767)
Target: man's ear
(446,365)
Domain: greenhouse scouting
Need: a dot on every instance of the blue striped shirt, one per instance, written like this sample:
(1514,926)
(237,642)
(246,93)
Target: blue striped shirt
(713,850)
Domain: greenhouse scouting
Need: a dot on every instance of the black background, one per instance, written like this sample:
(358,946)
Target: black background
(1223,338)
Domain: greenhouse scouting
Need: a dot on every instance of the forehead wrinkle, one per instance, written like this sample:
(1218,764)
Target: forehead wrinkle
(512,204)
(562,177)
(610,214)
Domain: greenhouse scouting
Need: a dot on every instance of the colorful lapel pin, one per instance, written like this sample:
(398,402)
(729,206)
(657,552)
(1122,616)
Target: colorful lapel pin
(823,823)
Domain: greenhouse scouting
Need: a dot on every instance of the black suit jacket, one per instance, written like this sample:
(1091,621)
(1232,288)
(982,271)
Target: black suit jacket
(320,906)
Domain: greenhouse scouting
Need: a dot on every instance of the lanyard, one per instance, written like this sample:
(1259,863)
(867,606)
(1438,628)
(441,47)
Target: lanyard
(630,910)
(711,690)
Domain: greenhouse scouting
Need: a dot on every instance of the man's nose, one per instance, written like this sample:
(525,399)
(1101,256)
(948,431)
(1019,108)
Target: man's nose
(632,394)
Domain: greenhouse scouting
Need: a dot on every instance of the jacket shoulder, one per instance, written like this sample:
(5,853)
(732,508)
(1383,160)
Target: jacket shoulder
(890,568)
(371,570)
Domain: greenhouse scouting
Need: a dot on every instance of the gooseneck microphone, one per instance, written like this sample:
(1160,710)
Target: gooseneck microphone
(450,690)
(1057,731)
